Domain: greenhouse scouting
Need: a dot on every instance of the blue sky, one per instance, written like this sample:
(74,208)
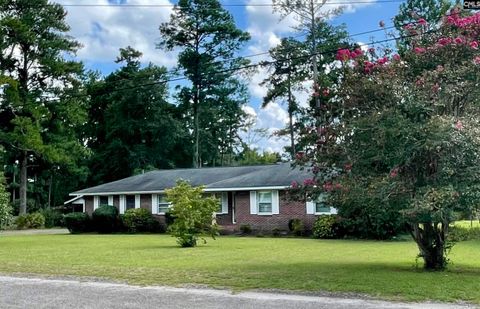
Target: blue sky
(104,29)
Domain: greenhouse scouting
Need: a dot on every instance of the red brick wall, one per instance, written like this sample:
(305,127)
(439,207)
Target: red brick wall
(226,219)
(288,210)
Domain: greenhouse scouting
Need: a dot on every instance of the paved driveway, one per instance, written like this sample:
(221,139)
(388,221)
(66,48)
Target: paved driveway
(52,294)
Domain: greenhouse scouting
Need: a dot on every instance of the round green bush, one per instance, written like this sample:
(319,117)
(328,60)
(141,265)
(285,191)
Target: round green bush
(105,219)
(139,220)
(325,227)
(77,222)
(296,227)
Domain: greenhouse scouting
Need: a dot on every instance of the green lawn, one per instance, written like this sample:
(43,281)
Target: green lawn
(381,269)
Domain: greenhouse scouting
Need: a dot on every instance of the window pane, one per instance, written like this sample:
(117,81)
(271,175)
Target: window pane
(265,197)
(130,201)
(321,207)
(265,207)
(163,204)
(103,200)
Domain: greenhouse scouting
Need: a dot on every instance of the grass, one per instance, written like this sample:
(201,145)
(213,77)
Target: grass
(381,269)
(468,224)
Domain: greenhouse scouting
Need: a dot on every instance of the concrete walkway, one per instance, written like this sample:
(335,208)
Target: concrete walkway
(34,232)
(53,293)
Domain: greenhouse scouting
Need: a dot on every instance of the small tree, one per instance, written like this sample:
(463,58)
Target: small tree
(5,206)
(194,215)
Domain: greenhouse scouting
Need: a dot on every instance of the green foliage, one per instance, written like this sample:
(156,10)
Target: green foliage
(463,233)
(326,226)
(296,226)
(30,221)
(206,36)
(5,206)
(105,219)
(131,130)
(77,222)
(53,218)
(194,214)
(245,229)
(40,109)
(139,220)
(253,157)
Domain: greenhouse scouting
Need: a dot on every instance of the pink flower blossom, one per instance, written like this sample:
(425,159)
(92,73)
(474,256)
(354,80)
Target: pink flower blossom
(419,82)
(444,41)
(394,172)
(369,67)
(326,92)
(299,155)
(396,57)
(343,55)
(382,61)
(435,88)
(316,94)
(474,44)
(422,22)
(408,27)
(294,184)
(458,40)
(328,186)
(419,50)
(476,60)
(348,167)
(338,186)
(309,182)
(459,125)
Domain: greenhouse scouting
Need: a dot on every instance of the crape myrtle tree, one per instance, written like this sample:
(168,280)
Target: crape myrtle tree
(40,110)
(407,141)
(207,39)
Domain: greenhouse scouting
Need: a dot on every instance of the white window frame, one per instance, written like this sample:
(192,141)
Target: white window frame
(258,203)
(159,199)
(223,201)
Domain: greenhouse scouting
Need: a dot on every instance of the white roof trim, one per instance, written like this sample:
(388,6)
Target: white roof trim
(73,199)
(205,190)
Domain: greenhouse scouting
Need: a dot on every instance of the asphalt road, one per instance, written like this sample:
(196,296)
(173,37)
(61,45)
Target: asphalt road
(52,294)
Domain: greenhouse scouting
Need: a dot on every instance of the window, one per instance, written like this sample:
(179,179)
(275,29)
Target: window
(163,204)
(130,204)
(103,200)
(264,202)
(217,196)
(320,206)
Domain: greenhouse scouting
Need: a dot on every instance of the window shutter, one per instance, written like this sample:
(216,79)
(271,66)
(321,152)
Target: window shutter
(253,202)
(310,208)
(137,200)
(122,204)
(110,200)
(275,203)
(224,202)
(96,201)
(155,204)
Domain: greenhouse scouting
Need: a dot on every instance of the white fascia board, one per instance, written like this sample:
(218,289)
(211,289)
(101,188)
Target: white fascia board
(205,190)
(73,199)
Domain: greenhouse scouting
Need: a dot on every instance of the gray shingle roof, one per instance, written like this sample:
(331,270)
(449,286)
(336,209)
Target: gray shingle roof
(214,178)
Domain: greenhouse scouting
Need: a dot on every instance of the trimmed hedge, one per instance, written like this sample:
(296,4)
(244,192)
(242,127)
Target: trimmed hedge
(140,220)
(326,226)
(77,222)
(105,219)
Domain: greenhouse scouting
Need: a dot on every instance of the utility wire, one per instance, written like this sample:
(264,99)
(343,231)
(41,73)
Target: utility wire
(263,63)
(222,4)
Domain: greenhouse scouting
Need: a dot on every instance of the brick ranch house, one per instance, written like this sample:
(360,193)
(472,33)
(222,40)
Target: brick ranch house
(250,195)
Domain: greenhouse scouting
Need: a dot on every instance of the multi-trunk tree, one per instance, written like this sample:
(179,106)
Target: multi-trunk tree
(39,106)
(208,40)
(405,144)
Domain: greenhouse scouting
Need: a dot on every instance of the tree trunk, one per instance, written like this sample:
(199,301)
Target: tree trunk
(430,239)
(23,184)
(290,118)
(314,62)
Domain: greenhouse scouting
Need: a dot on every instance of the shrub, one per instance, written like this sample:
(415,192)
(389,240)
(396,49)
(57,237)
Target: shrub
(5,206)
(296,227)
(30,221)
(276,232)
(245,229)
(139,220)
(105,219)
(193,214)
(325,227)
(52,217)
(460,233)
(77,222)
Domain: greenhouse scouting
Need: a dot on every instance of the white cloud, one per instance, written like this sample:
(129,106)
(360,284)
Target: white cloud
(104,29)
